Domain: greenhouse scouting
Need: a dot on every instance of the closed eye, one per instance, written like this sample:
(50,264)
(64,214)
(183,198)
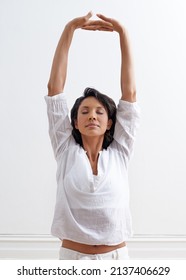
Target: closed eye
(99,113)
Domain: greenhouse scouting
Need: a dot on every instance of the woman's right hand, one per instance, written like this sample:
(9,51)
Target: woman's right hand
(79,22)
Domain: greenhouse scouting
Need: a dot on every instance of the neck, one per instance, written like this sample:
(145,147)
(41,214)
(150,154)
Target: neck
(92,145)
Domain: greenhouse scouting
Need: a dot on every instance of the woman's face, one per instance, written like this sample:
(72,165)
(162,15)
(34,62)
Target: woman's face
(92,118)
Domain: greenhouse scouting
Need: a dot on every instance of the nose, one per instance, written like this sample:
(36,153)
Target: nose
(92,115)
(92,118)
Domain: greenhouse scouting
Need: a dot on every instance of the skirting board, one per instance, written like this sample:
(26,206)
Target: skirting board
(43,247)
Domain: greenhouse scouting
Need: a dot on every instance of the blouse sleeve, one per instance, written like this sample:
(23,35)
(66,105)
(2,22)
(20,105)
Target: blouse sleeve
(127,122)
(60,128)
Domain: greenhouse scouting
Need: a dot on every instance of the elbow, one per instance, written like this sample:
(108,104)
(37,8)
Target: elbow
(129,95)
(133,96)
(54,89)
(50,89)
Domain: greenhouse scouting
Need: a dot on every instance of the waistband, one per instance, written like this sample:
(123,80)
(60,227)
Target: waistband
(118,254)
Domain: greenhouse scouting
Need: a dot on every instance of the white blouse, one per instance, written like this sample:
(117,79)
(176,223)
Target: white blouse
(92,209)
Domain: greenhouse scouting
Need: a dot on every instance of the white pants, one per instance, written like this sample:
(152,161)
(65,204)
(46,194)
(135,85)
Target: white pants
(118,254)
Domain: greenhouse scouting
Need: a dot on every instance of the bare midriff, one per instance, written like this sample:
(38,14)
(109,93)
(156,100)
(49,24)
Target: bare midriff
(90,249)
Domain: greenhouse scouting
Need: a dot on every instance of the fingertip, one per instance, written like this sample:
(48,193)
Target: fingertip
(90,14)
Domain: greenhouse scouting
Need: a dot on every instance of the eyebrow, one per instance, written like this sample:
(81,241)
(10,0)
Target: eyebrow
(87,107)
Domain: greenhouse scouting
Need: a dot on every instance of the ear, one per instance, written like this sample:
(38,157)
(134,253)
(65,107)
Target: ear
(76,124)
(109,124)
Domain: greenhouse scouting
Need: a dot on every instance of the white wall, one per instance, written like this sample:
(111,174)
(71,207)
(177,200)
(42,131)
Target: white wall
(29,32)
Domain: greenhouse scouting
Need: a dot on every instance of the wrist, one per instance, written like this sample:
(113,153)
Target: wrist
(70,26)
(121,30)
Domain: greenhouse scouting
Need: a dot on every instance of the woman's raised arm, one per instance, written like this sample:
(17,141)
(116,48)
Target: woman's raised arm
(128,87)
(59,66)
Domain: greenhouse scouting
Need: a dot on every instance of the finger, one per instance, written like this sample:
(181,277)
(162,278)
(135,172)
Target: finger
(105,29)
(89,29)
(98,23)
(102,22)
(99,28)
(89,15)
(104,18)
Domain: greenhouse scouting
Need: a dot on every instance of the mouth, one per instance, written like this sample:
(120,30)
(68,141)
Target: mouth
(92,125)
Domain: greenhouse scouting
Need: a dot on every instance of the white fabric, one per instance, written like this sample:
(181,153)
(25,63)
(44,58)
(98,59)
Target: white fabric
(118,254)
(92,209)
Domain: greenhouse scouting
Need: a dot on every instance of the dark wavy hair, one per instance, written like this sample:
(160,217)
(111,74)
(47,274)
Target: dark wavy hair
(108,104)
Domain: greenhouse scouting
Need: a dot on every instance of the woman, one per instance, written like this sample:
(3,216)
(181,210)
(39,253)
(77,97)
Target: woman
(92,216)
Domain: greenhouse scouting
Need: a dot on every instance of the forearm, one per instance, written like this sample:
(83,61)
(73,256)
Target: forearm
(128,87)
(59,66)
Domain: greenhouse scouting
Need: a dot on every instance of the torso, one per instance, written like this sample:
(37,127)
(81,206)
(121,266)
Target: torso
(85,248)
(93,192)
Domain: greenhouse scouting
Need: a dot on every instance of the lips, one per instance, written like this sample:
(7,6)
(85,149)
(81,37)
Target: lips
(92,125)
